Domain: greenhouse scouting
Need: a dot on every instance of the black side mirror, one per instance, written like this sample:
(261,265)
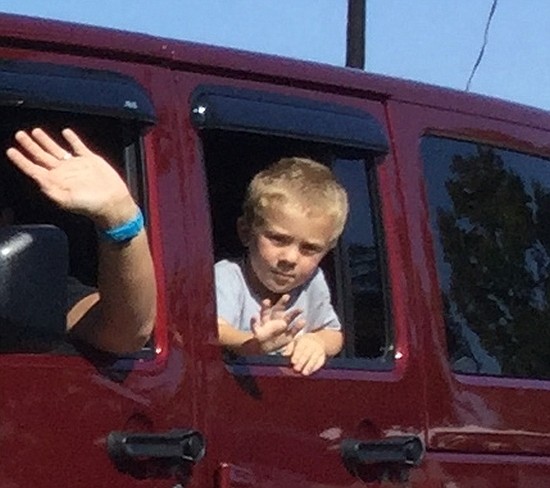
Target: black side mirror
(33,288)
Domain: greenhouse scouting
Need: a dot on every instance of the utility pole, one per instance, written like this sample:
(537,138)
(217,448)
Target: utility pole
(356,29)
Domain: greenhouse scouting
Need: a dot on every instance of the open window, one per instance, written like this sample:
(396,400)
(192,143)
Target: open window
(109,111)
(243,131)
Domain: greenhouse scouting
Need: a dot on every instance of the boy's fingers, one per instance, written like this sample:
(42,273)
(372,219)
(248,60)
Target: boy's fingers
(278,310)
(299,362)
(288,350)
(254,324)
(314,364)
(79,148)
(265,310)
(278,327)
(290,316)
(307,361)
(298,326)
(299,356)
(281,303)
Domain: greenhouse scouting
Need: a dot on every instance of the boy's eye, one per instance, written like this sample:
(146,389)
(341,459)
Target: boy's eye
(278,239)
(310,249)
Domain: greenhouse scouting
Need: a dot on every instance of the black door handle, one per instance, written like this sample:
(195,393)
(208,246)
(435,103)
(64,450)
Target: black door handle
(176,445)
(399,451)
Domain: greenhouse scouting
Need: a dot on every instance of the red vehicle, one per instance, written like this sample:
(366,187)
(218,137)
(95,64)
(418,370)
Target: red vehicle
(441,277)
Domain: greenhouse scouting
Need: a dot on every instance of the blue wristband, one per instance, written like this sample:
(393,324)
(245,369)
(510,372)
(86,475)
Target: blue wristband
(124,232)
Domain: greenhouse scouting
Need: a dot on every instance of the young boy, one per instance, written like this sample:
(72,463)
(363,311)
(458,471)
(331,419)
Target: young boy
(276,299)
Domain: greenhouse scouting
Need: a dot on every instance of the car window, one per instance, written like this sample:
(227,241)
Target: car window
(109,137)
(354,270)
(489,210)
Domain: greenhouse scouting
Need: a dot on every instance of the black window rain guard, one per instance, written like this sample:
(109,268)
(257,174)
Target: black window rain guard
(73,89)
(227,108)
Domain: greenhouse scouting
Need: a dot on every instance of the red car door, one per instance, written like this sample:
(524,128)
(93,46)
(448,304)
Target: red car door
(64,415)
(361,418)
(485,180)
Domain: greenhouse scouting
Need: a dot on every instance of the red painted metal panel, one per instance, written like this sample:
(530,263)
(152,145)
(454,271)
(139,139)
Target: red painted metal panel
(56,412)
(494,421)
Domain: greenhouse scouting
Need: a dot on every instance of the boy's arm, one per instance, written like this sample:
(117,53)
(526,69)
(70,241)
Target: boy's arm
(312,349)
(239,341)
(332,340)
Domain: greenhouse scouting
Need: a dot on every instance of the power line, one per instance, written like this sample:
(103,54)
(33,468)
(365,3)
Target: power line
(485,40)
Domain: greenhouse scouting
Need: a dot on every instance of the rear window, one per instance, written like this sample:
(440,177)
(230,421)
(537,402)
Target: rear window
(490,219)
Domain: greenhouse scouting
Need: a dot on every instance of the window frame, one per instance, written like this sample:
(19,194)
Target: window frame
(231,110)
(36,89)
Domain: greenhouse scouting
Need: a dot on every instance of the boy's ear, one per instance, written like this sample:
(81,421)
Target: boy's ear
(243,231)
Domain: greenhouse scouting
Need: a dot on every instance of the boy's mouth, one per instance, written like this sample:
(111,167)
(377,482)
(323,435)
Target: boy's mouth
(282,273)
(281,276)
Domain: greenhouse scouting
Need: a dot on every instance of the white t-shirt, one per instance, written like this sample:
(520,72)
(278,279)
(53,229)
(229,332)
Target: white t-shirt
(237,304)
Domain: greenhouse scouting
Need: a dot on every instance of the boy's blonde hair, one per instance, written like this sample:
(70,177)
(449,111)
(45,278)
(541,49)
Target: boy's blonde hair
(296,181)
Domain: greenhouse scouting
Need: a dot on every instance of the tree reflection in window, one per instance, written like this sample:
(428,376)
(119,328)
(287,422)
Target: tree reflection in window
(490,211)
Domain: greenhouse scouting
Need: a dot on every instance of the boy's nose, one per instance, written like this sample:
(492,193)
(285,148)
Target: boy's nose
(288,257)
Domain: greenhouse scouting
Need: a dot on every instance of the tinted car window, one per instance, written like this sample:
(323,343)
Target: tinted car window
(489,211)
(361,290)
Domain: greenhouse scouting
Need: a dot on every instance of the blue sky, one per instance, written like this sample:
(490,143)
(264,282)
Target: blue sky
(434,41)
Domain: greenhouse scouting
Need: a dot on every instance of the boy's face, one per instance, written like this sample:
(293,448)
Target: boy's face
(286,250)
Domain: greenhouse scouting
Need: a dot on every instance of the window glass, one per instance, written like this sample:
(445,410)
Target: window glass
(490,212)
(361,296)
